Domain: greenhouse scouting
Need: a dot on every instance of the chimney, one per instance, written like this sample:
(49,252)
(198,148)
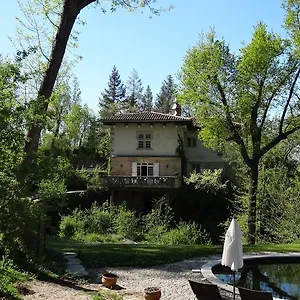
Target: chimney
(178,109)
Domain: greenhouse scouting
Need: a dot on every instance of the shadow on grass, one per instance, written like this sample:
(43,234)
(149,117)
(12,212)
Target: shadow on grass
(97,255)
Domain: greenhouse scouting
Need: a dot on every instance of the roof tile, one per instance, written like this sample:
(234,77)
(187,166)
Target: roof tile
(145,117)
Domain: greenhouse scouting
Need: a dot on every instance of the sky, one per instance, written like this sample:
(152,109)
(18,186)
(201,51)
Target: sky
(155,46)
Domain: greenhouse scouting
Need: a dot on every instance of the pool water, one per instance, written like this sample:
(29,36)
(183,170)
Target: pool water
(282,280)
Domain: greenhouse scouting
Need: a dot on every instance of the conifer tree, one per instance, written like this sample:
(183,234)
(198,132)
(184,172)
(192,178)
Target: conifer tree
(166,97)
(113,96)
(134,92)
(146,103)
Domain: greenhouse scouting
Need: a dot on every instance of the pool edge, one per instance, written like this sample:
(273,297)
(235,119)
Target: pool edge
(207,273)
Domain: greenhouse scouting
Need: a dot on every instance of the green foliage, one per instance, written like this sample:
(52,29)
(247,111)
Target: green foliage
(134,92)
(68,227)
(236,99)
(142,254)
(185,234)
(98,238)
(105,295)
(126,223)
(113,96)
(19,215)
(147,100)
(207,180)
(292,20)
(166,97)
(9,278)
(278,205)
(160,215)
(104,145)
(154,234)
(49,189)
(112,224)
(99,219)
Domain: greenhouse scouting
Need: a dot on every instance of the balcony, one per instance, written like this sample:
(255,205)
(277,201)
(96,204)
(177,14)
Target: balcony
(140,182)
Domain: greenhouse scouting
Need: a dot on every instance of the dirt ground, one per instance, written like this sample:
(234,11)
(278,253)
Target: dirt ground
(68,290)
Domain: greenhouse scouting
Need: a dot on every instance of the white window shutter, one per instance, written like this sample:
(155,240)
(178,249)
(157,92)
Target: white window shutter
(134,169)
(156,169)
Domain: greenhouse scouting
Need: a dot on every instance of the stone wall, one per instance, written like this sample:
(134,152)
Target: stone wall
(168,166)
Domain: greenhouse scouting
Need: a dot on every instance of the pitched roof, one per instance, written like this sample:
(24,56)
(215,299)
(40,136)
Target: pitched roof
(143,117)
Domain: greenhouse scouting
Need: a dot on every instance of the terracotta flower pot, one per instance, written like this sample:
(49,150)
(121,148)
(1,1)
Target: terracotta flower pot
(152,293)
(109,279)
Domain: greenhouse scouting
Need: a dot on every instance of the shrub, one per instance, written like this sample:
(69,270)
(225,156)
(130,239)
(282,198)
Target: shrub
(161,214)
(9,277)
(155,233)
(67,227)
(99,219)
(127,223)
(97,238)
(185,234)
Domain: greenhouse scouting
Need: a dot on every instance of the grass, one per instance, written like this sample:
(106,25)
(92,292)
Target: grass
(135,255)
(107,296)
(95,255)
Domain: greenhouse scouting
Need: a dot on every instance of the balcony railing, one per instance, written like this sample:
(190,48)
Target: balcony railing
(140,182)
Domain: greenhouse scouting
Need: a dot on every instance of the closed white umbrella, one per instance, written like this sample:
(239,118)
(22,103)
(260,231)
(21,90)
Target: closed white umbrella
(233,251)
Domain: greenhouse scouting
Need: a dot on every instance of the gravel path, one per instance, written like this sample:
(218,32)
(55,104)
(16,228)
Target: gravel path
(172,278)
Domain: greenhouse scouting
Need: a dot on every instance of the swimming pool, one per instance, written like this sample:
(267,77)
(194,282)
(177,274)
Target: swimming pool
(277,274)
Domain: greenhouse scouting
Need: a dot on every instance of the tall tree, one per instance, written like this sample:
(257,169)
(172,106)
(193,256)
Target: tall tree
(113,96)
(249,101)
(15,210)
(77,123)
(167,96)
(69,13)
(63,98)
(134,90)
(147,100)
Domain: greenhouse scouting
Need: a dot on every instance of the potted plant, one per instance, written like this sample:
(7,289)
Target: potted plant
(152,293)
(109,279)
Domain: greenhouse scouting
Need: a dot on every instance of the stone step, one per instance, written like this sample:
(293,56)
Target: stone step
(74,266)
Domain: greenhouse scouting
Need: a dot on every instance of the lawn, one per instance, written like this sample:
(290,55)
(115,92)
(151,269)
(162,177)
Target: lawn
(95,255)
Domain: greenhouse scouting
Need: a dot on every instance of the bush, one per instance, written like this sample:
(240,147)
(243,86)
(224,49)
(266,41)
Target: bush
(161,214)
(9,277)
(185,234)
(127,223)
(111,224)
(154,234)
(67,227)
(97,238)
(99,219)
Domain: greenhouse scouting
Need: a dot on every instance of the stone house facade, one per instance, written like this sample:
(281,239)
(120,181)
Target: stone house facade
(150,153)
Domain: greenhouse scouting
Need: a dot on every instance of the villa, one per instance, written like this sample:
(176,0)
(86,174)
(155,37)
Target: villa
(150,153)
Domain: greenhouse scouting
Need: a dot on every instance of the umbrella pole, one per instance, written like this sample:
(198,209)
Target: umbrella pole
(233,285)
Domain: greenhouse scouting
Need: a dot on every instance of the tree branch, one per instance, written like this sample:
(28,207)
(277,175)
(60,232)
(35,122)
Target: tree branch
(236,136)
(270,99)
(276,140)
(254,129)
(288,101)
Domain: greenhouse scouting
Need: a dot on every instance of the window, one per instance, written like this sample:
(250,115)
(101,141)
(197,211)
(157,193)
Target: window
(145,169)
(144,140)
(196,167)
(192,142)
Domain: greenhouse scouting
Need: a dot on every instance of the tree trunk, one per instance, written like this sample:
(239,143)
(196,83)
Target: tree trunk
(252,204)
(69,15)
